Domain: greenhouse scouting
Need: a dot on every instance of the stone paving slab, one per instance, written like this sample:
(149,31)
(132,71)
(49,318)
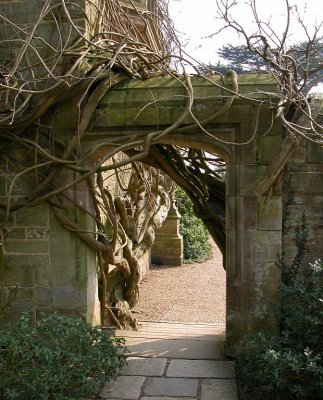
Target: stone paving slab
(175,330)
(144,366)
(180,329)
(172,348)
(171,367)
(168,335)
(201,369)
(219,389)
(171,387)
(168,398)
(124,387)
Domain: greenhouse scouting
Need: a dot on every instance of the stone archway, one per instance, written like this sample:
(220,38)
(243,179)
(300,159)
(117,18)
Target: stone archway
(253,224)
(57,271)
(48,268)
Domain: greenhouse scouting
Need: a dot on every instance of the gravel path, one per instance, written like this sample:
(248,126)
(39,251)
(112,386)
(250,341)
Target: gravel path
(191,293)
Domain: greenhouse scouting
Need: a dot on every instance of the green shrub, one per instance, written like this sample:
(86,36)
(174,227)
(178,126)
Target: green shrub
(62,358)
(195,234)
(290,366)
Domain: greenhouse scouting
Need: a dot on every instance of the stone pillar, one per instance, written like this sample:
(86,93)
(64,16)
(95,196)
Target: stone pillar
(254,234)
(73,263)
(168,246)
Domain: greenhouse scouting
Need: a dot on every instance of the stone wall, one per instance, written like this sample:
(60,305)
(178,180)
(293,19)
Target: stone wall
(26,263)
(25,275)
(45,267)
(303,205)
(25,14)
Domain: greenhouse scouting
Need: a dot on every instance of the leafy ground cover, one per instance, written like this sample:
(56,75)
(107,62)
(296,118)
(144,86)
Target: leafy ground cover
(61,358)
(291,365)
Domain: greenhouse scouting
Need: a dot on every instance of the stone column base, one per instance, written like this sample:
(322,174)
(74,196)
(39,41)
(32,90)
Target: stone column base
(167,250)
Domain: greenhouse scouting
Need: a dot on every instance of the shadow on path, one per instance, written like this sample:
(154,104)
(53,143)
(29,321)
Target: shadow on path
(174,361)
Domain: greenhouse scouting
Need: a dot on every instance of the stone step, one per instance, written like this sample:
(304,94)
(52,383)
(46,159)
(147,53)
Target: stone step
(176,340)
(173,330)
(190,349)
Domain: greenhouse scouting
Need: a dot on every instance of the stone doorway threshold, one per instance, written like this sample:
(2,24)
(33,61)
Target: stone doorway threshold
(174,361)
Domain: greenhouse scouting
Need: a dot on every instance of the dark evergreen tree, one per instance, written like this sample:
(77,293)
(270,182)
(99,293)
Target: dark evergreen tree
(237,58)
(307,55)
(240,58)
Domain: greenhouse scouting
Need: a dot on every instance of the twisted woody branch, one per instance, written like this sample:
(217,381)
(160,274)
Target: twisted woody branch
(87,52)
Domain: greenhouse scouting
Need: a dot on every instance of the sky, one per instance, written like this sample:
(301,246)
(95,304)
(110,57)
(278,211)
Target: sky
(196,19)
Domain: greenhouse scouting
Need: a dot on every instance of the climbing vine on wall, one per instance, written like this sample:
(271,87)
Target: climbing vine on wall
(56,69)
(50,87)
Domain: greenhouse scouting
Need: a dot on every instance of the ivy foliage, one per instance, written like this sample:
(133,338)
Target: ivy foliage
(61,358)
(290,366)
(195,234)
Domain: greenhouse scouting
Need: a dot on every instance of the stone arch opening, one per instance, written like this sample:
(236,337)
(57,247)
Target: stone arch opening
(206,191)
(208,197)
(253,229)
